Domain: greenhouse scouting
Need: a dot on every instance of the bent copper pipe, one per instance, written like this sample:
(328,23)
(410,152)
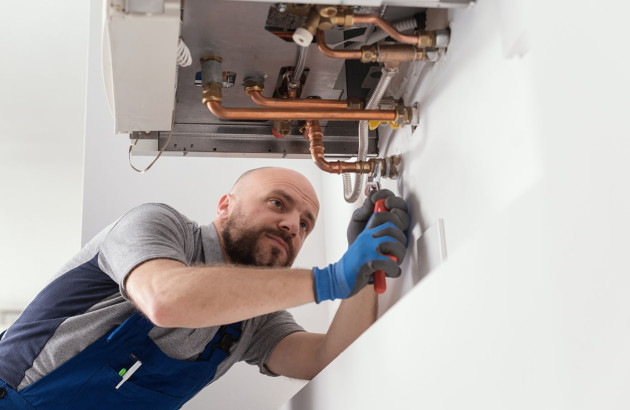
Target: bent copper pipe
(313,133)
(329,52)
(388,54)
(299,114)
(386,27)
(263,101)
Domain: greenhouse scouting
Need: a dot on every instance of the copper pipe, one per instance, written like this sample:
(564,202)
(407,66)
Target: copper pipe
(299,114)
(391,55)
(386,27)
(395,54)
(313,133)
(263,101)
(329,52)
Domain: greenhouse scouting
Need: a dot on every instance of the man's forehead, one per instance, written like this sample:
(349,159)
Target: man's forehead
(308,207)
(295,190)
(291,183)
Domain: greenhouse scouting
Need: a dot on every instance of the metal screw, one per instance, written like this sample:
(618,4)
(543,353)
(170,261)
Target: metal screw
(281,7)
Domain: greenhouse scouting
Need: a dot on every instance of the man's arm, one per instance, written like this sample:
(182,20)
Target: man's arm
(172,294)
(303,355)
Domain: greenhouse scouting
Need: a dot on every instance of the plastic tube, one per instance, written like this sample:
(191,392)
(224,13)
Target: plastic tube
(351,194)
(294,80)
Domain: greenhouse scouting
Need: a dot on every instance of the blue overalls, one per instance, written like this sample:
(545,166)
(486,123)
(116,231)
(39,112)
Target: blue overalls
(89,379)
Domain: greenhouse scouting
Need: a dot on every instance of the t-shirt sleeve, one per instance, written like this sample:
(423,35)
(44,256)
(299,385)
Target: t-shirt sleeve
(272,329)
(146,232)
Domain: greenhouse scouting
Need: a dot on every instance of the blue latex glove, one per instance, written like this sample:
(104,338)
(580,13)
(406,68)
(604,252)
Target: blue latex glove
(366,255)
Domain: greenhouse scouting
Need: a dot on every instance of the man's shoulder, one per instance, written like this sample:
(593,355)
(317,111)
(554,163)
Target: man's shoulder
(157,211)
(155,218)
(157,207)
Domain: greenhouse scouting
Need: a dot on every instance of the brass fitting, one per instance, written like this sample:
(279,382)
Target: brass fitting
(392,167)
(426,39)
(210,58)
(212,77)
(388,167)
(389,103)
(326,23)
(282,127)
(253,85)
(369,54)
(392,54)
(397,53)
(211,92)
(343,18)
(404,115)
(312,21)
(326,11)
(355,103)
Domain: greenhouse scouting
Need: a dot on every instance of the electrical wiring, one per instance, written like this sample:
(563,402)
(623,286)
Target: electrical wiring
(168,141)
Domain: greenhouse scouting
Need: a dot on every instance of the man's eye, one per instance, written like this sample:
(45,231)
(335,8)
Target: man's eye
(304,225)
(276,203)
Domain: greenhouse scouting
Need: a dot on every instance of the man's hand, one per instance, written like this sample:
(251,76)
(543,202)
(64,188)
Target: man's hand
(360,217)
(366,255)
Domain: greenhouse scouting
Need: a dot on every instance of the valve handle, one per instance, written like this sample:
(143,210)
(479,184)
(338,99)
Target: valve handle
(379,276)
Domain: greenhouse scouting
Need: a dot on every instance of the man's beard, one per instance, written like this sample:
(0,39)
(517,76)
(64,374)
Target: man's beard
(242,246)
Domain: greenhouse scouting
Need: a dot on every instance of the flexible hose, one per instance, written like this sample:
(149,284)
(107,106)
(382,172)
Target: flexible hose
(294,80)
(184,58)
(351,194)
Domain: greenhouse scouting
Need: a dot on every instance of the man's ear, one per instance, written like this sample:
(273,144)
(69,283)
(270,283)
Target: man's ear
(223,208)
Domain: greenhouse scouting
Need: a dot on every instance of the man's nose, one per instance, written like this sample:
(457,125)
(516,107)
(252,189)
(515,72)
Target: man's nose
(291,226)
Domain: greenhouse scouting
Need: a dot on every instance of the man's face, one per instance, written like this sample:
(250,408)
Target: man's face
(270,217)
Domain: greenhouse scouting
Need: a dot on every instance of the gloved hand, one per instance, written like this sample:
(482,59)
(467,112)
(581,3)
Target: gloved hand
(397,214)
(366,255)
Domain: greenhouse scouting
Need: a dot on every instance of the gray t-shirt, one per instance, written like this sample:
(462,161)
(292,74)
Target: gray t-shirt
(147,232)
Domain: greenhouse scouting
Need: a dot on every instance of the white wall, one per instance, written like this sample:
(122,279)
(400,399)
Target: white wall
(42,78)
(524,151)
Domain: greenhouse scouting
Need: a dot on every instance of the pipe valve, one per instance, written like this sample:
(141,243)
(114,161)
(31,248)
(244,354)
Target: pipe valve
(212,78)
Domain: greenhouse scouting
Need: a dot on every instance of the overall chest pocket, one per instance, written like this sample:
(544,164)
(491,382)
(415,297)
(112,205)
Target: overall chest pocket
(100,392)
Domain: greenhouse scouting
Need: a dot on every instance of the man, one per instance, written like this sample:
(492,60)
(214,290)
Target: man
(156,307)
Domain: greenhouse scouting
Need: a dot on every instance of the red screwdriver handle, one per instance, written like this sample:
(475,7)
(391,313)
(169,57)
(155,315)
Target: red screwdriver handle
(379,276)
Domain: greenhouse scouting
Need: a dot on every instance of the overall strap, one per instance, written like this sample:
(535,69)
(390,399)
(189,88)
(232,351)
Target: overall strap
(138,320)
(219,347)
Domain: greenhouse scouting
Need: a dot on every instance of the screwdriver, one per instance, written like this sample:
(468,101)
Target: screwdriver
(379,276)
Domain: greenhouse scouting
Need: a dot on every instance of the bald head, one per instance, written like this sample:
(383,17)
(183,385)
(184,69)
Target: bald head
(266,217)
(254,178)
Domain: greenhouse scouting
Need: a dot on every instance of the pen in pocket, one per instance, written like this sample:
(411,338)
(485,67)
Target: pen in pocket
(126,374)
